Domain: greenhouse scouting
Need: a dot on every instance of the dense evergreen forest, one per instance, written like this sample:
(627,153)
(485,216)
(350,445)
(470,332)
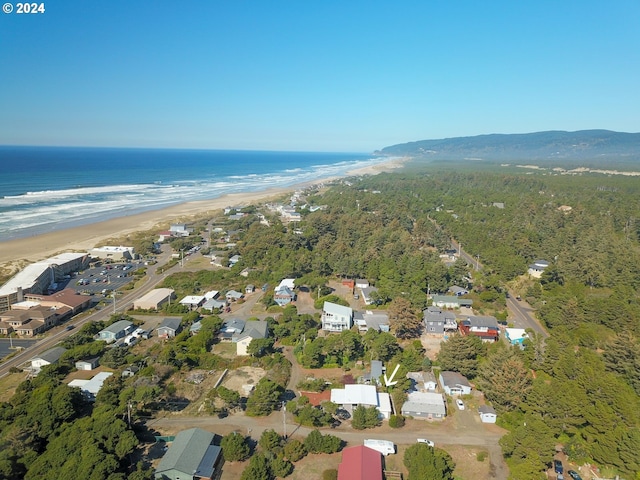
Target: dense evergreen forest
(580,387)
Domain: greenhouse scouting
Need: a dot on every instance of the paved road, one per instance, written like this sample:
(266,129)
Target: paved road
(519,314)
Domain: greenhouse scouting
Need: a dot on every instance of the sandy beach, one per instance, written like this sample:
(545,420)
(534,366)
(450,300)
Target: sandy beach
(85,237)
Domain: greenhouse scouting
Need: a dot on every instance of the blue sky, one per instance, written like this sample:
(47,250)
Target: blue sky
(310,75)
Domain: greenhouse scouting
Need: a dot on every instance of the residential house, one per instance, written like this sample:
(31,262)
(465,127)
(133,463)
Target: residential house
(180,230)
(487,414)
(351,396)
(233,296)
(537,268)
(458,291)
(367,295)
(454,383)
(249,289)
(88,364)
(378,321)
(195,328)
(192,455)
(253,329)
(336,318)
(49,357)
(438,321)
(515,336)
(154,299)
(231,328)
(90,388)
(427,405)
(215,303)
(450,301)
(423,381)
(169,327)
(373,377)
(485,327)
(115,331)
(362,283)
(360,463)
(193,301)
(130,371)
(234,259)
(284,293)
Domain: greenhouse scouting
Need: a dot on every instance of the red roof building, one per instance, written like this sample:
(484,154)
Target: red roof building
(360,463)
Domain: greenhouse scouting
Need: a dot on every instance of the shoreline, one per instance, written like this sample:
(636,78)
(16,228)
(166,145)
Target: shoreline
(85,237)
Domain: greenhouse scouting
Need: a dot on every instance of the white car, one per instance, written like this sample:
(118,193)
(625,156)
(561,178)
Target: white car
(459,404)
(428,442)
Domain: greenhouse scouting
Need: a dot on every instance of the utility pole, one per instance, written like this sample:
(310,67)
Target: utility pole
(477,262)
(113,294)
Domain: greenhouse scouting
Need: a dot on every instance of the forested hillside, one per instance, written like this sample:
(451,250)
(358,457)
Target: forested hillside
(600,146)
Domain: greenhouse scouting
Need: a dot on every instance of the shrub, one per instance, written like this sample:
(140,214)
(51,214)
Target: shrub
(480,456)
(331,474)
(295,450)
(396,421)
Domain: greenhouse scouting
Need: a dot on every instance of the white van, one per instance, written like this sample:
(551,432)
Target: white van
(385,447)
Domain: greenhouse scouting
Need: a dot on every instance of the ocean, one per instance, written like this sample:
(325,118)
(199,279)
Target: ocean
(43,189)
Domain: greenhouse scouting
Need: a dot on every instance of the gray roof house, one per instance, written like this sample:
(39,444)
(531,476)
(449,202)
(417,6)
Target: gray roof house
(253,329)
(430,406)
(454,383)
(191,456)
(169,327)
(88,364)
(458,291)
(46,358)
(438,321)
(115,331)
(231,328)
(373,377)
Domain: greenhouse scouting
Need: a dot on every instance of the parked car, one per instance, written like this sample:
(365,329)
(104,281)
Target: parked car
(343,414)
(428,442)
(557,466)
(459,404)
(574,475)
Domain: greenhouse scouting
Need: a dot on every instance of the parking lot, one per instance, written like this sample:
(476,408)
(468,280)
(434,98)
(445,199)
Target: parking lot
(103,278)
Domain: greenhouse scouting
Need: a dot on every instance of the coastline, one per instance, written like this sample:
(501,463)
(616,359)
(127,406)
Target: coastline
(85,237)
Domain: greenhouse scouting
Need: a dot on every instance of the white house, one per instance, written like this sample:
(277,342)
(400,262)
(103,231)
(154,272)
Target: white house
(515,336)
(454,383)
(88,364)
(537,268)
(336,318)
(487,414)
(351,396)
(193,301)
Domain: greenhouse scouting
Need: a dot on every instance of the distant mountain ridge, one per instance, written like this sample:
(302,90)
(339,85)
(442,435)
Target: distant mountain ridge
(595,145)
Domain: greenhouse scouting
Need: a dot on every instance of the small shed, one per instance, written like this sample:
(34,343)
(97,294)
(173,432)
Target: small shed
(487,414)
(88,364)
